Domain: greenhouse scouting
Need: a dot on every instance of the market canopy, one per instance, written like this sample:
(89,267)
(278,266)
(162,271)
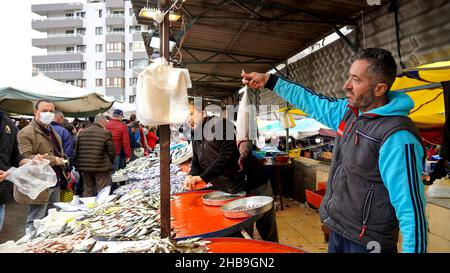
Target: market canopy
(127,108)
(218,38)
(304,127)
(423,85)
(73,101)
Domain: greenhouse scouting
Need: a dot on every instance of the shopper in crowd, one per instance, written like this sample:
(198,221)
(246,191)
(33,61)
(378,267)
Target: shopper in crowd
(94,156)
(215,160)
(135,142)
(22,124)
(142,134)
(64,134)
(121,139)
(40,138)
(374,187)
(9,157)
(152,139)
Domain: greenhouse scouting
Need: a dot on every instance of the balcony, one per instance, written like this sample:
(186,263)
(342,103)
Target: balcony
(114,91)
(139,55)
(115,36)
(55,40)
(115,55)
(115,19)
(137,36)
(57,22)
(115,3)
(58,57)
(44,9)
(115,73)
(64,74)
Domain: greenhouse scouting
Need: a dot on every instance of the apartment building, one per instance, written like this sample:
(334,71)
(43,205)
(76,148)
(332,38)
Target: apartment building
(96,45)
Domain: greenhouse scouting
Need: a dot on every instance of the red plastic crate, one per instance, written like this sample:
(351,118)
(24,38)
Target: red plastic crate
(314,198)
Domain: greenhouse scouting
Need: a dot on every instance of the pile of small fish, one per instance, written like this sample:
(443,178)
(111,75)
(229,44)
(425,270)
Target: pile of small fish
(139,165)
(149,181)
(178,156)
(181,154)
(134,216)
(193,245)
(248,207)
(78,242)
(150,173)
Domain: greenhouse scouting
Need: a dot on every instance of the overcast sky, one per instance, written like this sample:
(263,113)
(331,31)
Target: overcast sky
(15,48)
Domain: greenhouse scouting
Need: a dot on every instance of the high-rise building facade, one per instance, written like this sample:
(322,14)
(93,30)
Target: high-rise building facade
(96,45)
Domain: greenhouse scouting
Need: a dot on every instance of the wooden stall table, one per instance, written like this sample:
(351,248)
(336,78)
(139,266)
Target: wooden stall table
(191,218)
(239,245)
(277,166)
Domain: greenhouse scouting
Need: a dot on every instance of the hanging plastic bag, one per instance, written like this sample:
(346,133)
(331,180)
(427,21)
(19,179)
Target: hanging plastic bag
(161,95)
(33,178)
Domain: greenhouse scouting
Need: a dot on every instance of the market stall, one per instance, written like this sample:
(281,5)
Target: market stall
(189,213)
(73,101)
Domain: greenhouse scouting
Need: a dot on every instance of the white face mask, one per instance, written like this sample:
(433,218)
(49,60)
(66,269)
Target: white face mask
(47,117)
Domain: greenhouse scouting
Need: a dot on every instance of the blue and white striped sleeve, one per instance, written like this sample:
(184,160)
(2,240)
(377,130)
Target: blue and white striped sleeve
(400,165)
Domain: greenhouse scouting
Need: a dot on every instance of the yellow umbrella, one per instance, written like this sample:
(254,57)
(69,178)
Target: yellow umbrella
(423,85)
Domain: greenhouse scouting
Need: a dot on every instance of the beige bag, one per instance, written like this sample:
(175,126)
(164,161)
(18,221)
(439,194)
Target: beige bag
(21,198)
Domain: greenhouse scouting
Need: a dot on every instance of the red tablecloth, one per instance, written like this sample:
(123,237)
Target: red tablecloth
(239,245)
(193,218)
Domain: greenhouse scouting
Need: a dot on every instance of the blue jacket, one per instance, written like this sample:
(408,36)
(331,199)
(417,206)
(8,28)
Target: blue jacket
(66,138)
(330,111)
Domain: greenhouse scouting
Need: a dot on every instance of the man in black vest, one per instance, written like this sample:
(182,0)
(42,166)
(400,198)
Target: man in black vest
(374,186)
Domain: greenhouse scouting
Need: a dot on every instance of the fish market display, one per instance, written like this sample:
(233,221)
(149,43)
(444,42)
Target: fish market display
(193,245)
(178,156)
(79,242)
(149,181)
(83,243)
(139,165)
(181,155)
(134,216)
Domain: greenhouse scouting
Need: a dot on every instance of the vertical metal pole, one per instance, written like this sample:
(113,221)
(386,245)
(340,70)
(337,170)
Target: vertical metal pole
(165,137)
(287,105)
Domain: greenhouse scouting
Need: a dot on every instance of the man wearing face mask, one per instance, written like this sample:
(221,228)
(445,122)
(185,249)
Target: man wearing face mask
(375,185)
(40,138)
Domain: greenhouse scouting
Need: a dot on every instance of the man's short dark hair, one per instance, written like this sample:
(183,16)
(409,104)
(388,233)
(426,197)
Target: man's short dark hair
(382,64)
(36,105)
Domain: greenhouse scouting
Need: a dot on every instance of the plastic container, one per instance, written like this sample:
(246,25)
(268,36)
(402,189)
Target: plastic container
(255,205)
(282,158)
(314,198)
(219,198)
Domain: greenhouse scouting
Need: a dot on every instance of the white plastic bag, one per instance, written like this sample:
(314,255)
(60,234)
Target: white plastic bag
(33,178)
(440,188)
(161,95)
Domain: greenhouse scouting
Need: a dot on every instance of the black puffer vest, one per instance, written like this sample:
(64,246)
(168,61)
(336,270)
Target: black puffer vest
(356,204)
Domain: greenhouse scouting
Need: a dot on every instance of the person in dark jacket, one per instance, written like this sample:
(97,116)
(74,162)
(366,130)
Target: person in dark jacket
(9,157)
(215,160)
(66,136)
(94,156)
